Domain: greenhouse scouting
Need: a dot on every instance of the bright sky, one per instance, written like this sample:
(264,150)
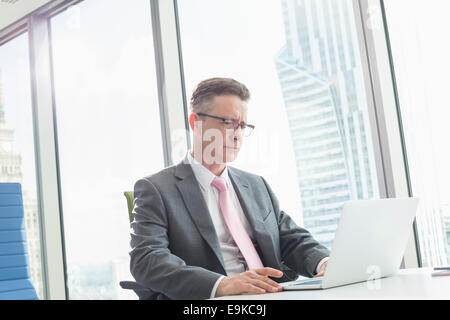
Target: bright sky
(108,121)
(421,54)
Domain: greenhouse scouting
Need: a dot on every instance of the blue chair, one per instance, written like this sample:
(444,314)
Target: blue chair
(15,281)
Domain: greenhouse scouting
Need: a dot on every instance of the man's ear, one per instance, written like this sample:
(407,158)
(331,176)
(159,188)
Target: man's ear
(192,118)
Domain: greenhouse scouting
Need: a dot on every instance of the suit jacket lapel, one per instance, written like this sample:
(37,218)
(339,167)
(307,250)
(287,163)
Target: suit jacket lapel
(253,213)
(197,208)
(246,200)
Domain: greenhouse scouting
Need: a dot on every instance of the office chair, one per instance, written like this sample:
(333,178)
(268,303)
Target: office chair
(15,281)
(142,292)
(130,202)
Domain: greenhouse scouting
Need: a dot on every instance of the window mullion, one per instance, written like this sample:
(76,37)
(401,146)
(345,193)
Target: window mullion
(46,158)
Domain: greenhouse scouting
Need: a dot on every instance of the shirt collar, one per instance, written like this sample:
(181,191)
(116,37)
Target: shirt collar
(203,175)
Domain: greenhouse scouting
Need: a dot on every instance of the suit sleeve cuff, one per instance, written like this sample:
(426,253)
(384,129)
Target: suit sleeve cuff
(214,289)
(321,262)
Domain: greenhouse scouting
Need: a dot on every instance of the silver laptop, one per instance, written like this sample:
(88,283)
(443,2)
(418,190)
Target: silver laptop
(369,243)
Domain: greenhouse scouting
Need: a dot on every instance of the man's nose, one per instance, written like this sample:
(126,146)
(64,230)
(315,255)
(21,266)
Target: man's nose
(238,131)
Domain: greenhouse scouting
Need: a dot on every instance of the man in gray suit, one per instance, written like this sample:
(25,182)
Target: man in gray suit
(203,229)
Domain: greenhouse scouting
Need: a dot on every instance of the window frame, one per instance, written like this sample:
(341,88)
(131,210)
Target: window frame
(379,82)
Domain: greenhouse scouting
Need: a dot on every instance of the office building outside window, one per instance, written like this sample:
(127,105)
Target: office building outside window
(301,62)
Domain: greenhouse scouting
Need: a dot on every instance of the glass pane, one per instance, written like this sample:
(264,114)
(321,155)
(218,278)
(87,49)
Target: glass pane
(109,135)
(17,159)
(301,63)
(421,68)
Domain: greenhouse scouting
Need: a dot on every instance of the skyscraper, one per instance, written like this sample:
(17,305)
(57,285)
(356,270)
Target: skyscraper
(321,79)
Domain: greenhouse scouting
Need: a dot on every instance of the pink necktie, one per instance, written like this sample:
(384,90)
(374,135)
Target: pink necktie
(235,225)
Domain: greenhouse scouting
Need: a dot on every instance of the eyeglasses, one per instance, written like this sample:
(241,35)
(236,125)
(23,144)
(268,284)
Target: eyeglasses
(247,129)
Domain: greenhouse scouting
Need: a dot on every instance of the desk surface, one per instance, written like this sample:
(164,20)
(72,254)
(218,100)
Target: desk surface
(406,284)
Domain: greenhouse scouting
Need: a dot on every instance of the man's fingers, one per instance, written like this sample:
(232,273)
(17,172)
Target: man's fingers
(264,285)
(250,288)
(320,274)
(269,272)
(265,279)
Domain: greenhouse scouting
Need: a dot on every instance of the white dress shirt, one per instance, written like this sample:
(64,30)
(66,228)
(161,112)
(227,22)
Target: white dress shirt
(233,259)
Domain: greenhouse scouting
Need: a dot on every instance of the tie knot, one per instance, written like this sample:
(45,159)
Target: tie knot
(219,183)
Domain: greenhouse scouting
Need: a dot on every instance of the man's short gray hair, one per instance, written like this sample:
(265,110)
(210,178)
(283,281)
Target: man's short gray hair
(210,88)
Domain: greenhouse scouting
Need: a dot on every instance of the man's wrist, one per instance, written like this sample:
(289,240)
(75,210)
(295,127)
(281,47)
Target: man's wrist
(222,287)
(321,262)
(216,285)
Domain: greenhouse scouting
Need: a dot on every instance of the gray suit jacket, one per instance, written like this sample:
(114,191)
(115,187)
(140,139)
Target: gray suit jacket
(175,249)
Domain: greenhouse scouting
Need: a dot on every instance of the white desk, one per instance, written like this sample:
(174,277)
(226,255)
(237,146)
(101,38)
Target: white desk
(407,284)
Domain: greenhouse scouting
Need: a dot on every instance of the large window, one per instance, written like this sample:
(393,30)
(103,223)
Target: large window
(301,62)
(299,58)
(17,156)
(420,55)
(109,135)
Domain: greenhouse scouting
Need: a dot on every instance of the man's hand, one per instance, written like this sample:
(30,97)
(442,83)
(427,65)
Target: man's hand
(321,272)
(255,281)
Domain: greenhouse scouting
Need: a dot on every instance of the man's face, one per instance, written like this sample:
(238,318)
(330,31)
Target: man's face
(220,143)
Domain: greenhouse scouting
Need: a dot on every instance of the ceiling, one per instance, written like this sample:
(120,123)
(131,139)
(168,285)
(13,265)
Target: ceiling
(13,10)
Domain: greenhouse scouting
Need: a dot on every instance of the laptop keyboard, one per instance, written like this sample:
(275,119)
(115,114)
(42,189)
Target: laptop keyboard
(305,282)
